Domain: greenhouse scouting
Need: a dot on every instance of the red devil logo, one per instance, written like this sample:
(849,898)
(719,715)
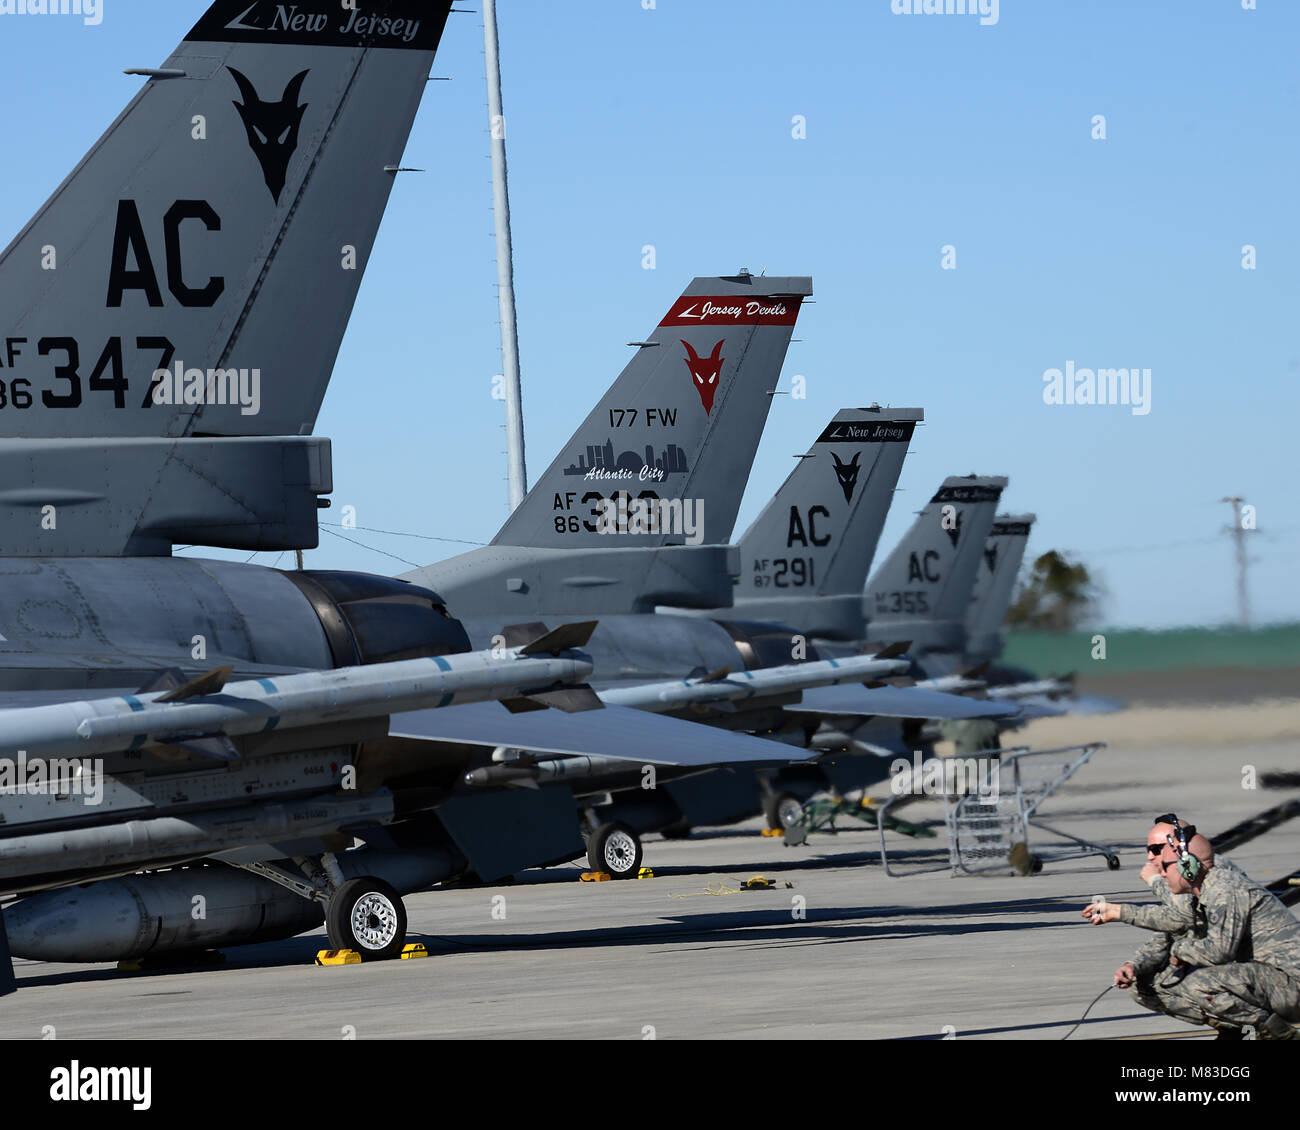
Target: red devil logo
(706,371)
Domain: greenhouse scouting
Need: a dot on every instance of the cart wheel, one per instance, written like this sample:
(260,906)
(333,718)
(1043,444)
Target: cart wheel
(1112,861)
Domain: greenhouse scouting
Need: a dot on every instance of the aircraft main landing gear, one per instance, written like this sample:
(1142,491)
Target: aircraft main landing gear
(781,810)
(616,849)
(368,916)
(365,915)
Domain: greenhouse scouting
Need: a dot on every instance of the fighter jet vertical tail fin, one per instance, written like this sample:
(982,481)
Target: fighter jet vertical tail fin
(818,534)
(682,421)
(236,198)
(1003,552)
(922,590)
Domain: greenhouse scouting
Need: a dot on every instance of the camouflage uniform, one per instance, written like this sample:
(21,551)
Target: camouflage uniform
(1239,967)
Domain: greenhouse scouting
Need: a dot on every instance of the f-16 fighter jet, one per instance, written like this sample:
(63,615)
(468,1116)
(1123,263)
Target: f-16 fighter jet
(612,528)
(156,389)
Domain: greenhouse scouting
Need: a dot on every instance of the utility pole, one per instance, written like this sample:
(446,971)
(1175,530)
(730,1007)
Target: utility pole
(516,469)
(1239,542)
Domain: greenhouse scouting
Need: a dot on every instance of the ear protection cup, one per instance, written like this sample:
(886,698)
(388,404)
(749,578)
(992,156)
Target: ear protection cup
(1189,867)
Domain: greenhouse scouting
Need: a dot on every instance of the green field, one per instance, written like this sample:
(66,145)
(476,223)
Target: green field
(1180,649)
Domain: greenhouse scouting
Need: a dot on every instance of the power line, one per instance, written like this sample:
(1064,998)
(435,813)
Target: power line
(372,549)
(405,534)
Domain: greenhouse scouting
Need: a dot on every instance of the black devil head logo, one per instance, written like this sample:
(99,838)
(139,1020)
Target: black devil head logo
(954,531)
(272,127)
(847,473)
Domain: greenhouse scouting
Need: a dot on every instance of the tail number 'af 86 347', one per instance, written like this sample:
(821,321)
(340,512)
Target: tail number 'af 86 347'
(569,509)
(52,371)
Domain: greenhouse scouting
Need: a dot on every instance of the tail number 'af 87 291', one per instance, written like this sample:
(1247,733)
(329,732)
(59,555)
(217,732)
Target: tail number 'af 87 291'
(52,371)
(785,572)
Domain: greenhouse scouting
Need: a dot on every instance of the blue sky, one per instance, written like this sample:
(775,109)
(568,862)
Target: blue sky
(673,127)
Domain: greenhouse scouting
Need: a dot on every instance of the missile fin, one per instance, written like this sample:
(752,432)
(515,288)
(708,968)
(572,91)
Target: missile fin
(211,683)
(218,747)
(890,651)
(572,700)
(521,705)
(520,635)
(566,637)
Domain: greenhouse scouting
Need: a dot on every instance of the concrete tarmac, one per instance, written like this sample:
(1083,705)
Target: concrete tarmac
(844,952)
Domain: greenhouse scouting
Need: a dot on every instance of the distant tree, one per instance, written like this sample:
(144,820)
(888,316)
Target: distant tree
(1057,596)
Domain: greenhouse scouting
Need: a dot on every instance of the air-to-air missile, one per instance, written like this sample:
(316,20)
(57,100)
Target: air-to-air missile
(210,706)
(728,686)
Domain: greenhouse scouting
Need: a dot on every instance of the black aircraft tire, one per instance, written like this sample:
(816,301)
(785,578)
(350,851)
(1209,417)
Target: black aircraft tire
(781,810)
(368,916)
(616,850)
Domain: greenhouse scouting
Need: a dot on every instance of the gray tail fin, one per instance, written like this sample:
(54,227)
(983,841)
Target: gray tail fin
(1004,550)
(222,225)
(658,433)
(817,536)
(923,589)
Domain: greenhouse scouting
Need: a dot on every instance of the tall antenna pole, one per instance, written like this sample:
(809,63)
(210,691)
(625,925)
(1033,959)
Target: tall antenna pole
(517,471)
(1239,541)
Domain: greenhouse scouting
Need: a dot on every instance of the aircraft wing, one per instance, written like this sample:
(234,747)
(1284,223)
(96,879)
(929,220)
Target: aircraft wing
(898,702)
(615,732)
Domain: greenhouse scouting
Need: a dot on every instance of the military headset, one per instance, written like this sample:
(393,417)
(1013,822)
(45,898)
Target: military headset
(1189,867)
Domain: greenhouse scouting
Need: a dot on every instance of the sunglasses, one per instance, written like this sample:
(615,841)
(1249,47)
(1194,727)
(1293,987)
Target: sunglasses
(1155,849)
